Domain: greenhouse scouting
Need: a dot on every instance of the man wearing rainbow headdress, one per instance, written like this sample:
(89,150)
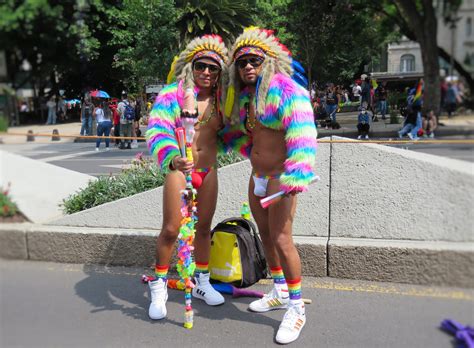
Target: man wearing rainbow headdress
(196,94)
(271,122)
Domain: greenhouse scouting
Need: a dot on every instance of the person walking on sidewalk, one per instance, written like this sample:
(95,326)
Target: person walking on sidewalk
(116,122)
(381,95)
(127,116)
(103,116)
(331,101)
(199,71)
(273,126)
(86,117)
(51,104)
(452,97)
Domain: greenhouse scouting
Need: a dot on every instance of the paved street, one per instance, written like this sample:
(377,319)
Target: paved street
(57,305)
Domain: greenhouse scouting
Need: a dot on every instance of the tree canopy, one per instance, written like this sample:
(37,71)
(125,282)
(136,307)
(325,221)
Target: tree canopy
(78,45)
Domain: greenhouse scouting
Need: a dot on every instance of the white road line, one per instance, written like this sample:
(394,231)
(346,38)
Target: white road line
(63,157)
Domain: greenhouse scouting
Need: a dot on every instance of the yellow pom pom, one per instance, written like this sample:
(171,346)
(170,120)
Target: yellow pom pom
(229,102)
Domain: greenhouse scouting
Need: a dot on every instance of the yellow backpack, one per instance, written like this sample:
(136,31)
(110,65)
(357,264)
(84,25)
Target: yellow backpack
(237,255)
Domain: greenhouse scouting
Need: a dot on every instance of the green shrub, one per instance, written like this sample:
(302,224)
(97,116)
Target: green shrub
(3,123)
(7,207)
(143,175)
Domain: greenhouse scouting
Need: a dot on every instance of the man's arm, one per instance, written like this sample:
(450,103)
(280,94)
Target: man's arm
(300,136)
(160,136)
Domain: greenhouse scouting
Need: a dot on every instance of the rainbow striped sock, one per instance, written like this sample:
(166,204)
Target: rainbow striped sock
(294,288)
(277,275)
(161,272)
(201,268)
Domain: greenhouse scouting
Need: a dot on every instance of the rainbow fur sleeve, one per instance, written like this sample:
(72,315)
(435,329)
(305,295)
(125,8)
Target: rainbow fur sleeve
(298,121)
(164,118)
(235,136)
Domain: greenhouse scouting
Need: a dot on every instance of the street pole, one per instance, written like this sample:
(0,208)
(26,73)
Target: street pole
(453,37)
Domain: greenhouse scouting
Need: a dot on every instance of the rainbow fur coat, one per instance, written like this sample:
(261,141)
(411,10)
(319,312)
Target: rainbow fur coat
(164,119)
(287,108)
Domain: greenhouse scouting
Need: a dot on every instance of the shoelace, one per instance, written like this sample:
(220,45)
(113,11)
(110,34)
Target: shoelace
(158,294)
(290,318)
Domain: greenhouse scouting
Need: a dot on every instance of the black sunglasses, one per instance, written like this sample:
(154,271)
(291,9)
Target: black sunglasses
(200,67)
(254,62)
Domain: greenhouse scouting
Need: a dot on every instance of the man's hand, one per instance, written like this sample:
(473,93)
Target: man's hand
(181,164)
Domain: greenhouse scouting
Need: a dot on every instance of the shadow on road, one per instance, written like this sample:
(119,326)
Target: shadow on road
(120,289)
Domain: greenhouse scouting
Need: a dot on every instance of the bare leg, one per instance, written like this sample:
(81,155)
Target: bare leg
(261,217)
(207,199)
(280,222)
(174,183)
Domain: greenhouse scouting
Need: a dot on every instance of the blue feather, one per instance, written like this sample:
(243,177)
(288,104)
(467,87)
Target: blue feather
(299,74)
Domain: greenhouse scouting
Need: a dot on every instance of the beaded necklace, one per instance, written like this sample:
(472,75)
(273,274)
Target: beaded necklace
(251,120)
(212,113)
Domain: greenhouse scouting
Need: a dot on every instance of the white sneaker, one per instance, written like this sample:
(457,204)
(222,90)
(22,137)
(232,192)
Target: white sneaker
(410,136)
(359,137)
(273,300)
(159,296)
(204,291)
(366,137)
(293,322)
(96,149)
(134,145)
(107,149)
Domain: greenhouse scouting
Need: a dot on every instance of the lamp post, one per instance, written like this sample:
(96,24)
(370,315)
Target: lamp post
(453,26)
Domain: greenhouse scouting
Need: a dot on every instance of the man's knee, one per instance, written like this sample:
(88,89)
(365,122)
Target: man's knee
(284,243)
(169,233)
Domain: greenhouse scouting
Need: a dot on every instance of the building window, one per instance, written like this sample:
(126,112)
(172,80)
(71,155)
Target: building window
(407,63)
(468,26)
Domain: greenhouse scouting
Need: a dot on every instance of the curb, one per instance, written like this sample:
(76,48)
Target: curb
(351,133)
(427,263)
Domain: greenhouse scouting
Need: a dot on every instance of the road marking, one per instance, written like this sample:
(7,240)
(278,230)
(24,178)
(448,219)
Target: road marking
(63,157)
(323,284)
(388,289)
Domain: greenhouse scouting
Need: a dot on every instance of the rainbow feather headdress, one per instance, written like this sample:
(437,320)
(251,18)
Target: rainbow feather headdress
(207,46)
(278,59)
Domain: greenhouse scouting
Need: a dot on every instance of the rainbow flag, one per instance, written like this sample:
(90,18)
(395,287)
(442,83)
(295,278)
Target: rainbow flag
(419,91)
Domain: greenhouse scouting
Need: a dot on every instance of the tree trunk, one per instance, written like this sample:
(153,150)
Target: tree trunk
(424,26)
(432,91)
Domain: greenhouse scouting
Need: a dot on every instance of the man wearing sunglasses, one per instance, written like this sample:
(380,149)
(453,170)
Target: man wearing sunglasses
(273,125)
(194,95)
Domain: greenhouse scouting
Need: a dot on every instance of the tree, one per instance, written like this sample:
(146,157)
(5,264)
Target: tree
(144,32)
(224,17)
(273,14)
(59,40)
(418,21)
(333,39)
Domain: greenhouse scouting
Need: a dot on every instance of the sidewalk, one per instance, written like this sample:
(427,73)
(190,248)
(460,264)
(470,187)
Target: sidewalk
(458,125)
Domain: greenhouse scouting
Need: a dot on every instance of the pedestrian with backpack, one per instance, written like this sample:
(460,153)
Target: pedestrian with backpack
(271,122)
(199,73)
(127,117)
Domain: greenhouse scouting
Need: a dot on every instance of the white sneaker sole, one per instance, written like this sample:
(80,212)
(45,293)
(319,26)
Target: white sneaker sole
(289,339)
